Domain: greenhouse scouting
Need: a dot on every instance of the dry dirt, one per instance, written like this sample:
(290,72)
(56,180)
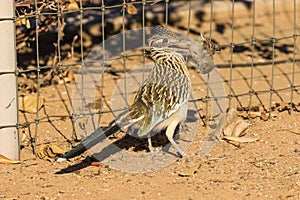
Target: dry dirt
(266,169)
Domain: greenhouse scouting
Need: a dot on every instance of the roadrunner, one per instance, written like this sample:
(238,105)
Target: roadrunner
(161,102)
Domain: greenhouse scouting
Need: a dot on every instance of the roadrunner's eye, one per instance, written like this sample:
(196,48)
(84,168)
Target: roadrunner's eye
(163,41)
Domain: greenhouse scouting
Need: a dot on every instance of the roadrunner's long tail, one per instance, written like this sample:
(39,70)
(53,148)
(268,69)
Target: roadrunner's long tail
(90,141)
(123,122)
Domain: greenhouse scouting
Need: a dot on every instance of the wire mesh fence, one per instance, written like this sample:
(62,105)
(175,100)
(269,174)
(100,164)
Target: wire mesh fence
(259,61)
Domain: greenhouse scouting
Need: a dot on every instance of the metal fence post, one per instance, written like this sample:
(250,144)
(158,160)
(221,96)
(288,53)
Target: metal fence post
(9,137)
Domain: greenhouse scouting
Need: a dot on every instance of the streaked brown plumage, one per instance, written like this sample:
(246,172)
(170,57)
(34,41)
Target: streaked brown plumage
(161,102)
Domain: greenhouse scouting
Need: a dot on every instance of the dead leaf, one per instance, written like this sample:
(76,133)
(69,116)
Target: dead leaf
(30,103)
(67,77)
(72,6)
(264,116)
(18,22)
(255,107)
(252,115)
(5,160)
(240,127)
(283,106)
(50,152)
(228,129)
(297,107)
(240,139)
(231,115)
(26,85)
(27,23)
(131,9)
(234,128)
(22,20)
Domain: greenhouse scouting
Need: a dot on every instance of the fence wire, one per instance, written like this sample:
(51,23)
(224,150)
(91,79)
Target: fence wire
(248,50)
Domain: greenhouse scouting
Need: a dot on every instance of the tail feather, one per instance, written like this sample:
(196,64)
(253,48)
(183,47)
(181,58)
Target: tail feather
(90,141)
(124,121)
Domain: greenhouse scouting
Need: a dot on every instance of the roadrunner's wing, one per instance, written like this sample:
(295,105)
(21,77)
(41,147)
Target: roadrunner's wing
(163,93)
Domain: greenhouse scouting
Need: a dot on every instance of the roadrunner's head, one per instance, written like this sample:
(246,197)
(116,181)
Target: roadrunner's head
(168,47)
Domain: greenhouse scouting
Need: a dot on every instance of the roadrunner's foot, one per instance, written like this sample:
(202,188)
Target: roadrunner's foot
(150,147)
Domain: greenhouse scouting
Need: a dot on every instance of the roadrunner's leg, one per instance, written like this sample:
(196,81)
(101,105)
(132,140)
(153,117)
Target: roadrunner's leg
(150,147)
(170,133)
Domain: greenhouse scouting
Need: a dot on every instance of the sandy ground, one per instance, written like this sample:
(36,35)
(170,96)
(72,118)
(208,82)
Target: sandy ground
(266,169)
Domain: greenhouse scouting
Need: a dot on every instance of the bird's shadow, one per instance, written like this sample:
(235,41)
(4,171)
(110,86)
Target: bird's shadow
(128,142)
